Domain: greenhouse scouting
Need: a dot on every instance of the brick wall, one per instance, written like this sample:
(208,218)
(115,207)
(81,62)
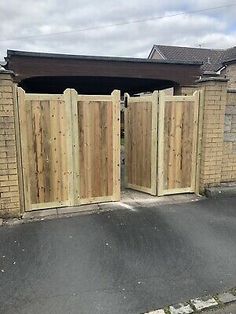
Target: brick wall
(212,131)
(228,172)
(9,189)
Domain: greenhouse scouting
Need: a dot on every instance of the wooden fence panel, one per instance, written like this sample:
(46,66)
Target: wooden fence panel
(141,143)
(70,148)
(178,121)
(44,128)
(98,119)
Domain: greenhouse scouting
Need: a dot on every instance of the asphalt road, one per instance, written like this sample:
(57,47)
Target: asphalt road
(124,261)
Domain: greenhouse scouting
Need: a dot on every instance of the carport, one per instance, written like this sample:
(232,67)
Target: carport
(53,73)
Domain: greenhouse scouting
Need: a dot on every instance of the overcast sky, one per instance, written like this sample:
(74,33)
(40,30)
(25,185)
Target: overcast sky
(30,19)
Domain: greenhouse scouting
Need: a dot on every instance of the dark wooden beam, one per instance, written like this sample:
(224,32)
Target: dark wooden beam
(31,65)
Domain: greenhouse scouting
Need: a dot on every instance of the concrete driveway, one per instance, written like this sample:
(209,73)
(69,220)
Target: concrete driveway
(122,261)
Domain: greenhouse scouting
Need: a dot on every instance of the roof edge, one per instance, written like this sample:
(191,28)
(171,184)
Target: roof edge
(20,53)
(225,62)
(188,47)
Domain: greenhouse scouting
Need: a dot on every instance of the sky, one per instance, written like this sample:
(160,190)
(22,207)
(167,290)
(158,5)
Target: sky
(81,26)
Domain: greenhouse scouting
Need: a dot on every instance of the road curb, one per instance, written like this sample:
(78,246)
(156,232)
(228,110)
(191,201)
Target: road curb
(221,191)
(199,305)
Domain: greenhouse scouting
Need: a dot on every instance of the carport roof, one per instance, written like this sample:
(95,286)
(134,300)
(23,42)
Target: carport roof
(50,72)
(94,58)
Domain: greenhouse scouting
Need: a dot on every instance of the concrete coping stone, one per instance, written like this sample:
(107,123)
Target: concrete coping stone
(4,71)
(231,90)
(212,78)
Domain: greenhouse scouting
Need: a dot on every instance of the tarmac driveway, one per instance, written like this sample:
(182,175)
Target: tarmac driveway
(122,261)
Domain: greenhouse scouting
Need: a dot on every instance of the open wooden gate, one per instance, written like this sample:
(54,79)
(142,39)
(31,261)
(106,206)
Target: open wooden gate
(141,143)
(172,123)
(70,147)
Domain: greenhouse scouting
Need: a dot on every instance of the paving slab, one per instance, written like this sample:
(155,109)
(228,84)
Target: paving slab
(204,303)
(229,309)
(156,312)
(227,297)
(181,308)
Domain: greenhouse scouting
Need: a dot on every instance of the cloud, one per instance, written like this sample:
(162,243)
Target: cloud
(214,28)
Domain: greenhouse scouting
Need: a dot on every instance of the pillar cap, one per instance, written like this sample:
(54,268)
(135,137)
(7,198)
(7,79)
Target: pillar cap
(231,90)
(212,79)
(4,71)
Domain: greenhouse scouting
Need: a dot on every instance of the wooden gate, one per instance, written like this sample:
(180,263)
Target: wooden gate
(69,148)
(171,122)
(141,143)
(177,143)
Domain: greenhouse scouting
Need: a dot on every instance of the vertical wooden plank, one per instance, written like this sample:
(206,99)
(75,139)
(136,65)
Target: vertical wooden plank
(116,144)
(54,150)
(196,96)
(201,102)
(18,149)
(63,145)
(97,149)
(24,145)
(170,114)
(126,139)
(178,143)
(82,145)
(186,147)
(154,144)
(59,149)
(161,143)
(32,151)
(68,109)
(75,146)
(89,117)
(109,148)
(46,124)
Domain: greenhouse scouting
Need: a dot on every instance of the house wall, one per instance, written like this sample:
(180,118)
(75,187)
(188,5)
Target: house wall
(230,72)
(9,182)
(228,173)
(156,55)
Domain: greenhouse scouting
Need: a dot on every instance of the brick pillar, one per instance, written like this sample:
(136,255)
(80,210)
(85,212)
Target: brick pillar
(215,93)
(9,183)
